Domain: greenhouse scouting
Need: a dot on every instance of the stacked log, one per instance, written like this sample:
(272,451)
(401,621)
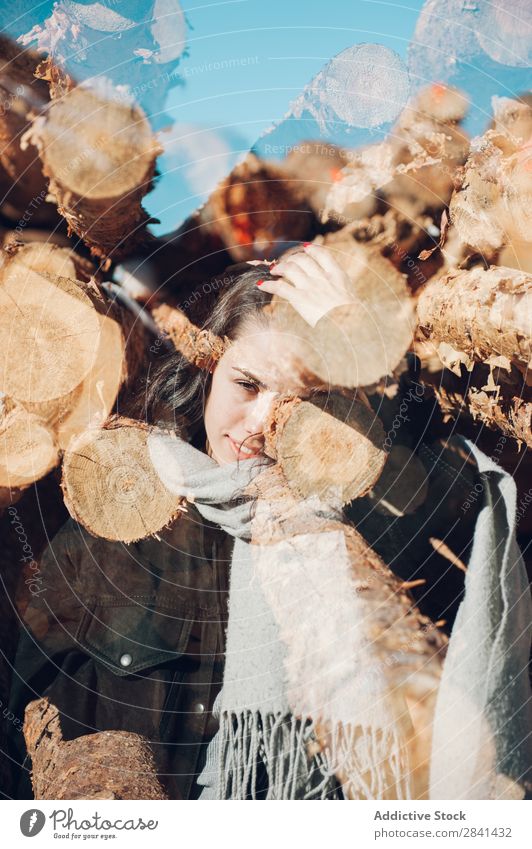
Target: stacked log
(332,447)
(98,154)
(257,210)
(494,322)
(355,344)
(106,765)
(110,486)
(53,388)
(492,205)
(491,332)
(23,193)
(393,626)
(139,46)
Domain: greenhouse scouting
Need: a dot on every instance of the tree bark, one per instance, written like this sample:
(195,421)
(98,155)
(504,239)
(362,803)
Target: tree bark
(392,628)
(105,765)
(505,407)
(201,347)
(22,182)
(98,153)
(479,315)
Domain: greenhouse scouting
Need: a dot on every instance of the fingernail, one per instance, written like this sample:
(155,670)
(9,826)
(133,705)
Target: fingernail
(260,282)
(306,244)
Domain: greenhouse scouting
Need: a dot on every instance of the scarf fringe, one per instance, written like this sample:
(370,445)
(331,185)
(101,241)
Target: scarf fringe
(281,757)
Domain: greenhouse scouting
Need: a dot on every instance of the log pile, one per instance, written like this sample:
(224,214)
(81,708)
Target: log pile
(99,156)
(62,375)
(70,351)
(493,203)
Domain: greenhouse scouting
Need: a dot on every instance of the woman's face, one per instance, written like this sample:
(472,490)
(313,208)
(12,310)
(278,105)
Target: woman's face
(256,368)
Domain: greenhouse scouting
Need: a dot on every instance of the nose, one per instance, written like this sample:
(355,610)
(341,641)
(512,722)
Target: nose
(258,411)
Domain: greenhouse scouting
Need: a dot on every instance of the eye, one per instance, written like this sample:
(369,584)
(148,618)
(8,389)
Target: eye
(248,385)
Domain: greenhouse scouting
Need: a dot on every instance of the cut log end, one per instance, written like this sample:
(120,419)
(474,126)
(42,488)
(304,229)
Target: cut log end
(115,138)
(99,155)
(111,487)
(28,449)
(354,344)
(329,448)
(59,333)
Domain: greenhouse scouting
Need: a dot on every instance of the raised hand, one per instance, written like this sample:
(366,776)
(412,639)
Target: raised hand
(312,281)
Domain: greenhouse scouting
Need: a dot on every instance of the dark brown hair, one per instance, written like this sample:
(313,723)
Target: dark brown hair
(176,391)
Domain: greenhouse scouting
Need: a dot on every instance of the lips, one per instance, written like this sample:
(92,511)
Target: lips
(242,452)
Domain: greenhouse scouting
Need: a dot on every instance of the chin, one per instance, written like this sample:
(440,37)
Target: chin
(223,458)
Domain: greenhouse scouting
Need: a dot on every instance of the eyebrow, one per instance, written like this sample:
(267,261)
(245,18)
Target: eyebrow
(250,377)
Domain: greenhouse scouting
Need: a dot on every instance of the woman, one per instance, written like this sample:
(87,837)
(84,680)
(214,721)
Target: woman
(132,637)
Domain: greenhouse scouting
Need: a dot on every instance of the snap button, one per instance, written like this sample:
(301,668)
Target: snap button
(126,660)
(199,707)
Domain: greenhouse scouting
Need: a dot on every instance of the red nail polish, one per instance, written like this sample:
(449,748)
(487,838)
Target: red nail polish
(260,282)
(306,244)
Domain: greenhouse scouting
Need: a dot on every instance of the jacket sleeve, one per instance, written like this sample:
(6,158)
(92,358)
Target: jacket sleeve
(47,633)
(52,616)
(111,636)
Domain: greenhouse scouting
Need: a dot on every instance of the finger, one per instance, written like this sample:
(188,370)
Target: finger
(306,263)
(295,275)
(325,259)
(280,288)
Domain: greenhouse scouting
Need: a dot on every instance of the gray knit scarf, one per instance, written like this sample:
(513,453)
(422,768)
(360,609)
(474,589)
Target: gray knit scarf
(270,682)
(259,735)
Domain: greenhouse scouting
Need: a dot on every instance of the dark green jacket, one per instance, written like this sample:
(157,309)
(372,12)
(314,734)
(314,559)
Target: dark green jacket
(129,637)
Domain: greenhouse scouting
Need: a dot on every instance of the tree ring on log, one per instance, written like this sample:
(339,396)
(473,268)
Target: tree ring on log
(357,343)
(96,147)
(332,446)
(111,487)
(49,332)
(28,449)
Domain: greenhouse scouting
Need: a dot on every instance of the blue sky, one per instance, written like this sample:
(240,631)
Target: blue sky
(282,45)
(247,61)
